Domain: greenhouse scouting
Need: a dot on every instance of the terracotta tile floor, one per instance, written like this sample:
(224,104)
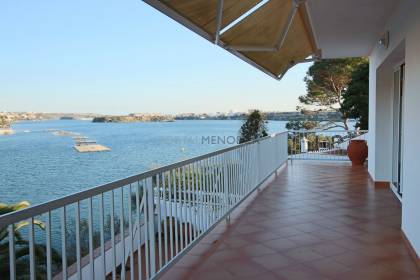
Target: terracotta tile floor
(315,221)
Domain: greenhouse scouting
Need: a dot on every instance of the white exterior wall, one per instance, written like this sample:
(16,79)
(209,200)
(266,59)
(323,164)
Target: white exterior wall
(411,142)
(404,28)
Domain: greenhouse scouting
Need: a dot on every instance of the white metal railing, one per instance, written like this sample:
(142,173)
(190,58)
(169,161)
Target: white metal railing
(322,144)
(139,225)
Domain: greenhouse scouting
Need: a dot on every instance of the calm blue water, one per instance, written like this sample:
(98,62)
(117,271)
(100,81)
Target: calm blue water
(39,166)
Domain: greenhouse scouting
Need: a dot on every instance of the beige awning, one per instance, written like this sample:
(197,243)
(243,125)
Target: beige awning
(203,13)
(271,35)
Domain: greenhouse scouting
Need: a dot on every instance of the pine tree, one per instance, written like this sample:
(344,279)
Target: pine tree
(253,128)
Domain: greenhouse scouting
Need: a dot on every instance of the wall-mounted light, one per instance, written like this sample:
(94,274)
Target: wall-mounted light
(384,40)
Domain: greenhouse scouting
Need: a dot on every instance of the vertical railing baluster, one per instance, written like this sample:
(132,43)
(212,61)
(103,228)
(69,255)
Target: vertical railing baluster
(213,186)
(225,184)
(196,196)
(171,236)
(165,220)
(63,243)
(219,187)
(194,192)
(258,162)
(130,229)
(256,165)
(180,203)
(246,168)
(206,194)
(229,178)
(113,249)
(175,186)
(243,170)
(185,208)
(159,218)
(216,189)
(32,272)
(239,174)
(122,234)
(12,255)
(102,234)
(189,184)
(251,165)
(90,225)
(216,185)
(241,187)
(139,246)
(200,197)
(221,193)
(220,172)
(150,191)
(146,229)
(211,193)
(239,178)
(236,176)
(78,258)
(200,176)
(48,244)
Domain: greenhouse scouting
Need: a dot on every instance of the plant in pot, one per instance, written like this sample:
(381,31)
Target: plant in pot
(357,151)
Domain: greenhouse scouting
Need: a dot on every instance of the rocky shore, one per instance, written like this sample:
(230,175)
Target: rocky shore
(6,131)
(5,125)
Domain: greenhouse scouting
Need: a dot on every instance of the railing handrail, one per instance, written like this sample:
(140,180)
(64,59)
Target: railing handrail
(326,130)
(51,205)
(322,144)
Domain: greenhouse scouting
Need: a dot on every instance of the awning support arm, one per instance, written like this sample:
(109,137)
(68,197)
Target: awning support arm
(293,63)
(282,35)
(252,48)
(219,14)
(286,28)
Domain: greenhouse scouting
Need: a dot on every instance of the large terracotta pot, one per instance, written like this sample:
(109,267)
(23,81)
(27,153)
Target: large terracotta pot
(357,151)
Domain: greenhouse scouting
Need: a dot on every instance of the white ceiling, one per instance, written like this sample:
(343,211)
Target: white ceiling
(348,28)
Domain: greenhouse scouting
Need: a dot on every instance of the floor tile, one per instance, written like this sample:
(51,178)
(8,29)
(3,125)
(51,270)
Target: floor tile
(317,220)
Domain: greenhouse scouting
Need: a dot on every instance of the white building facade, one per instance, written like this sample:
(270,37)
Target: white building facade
(394,119)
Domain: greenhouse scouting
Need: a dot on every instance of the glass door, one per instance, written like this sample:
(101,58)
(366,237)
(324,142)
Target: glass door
(397,128)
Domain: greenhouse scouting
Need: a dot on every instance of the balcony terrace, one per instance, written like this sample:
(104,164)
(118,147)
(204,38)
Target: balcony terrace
(317,220)
(261,209)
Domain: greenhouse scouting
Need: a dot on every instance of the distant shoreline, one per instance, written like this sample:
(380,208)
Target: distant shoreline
(133,118)
(11,117)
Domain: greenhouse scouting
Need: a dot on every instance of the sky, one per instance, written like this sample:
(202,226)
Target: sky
(119,57)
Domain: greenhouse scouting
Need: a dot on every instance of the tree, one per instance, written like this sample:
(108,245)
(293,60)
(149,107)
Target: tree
(253,128)
(299,125)
(326,82)
(356,98)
